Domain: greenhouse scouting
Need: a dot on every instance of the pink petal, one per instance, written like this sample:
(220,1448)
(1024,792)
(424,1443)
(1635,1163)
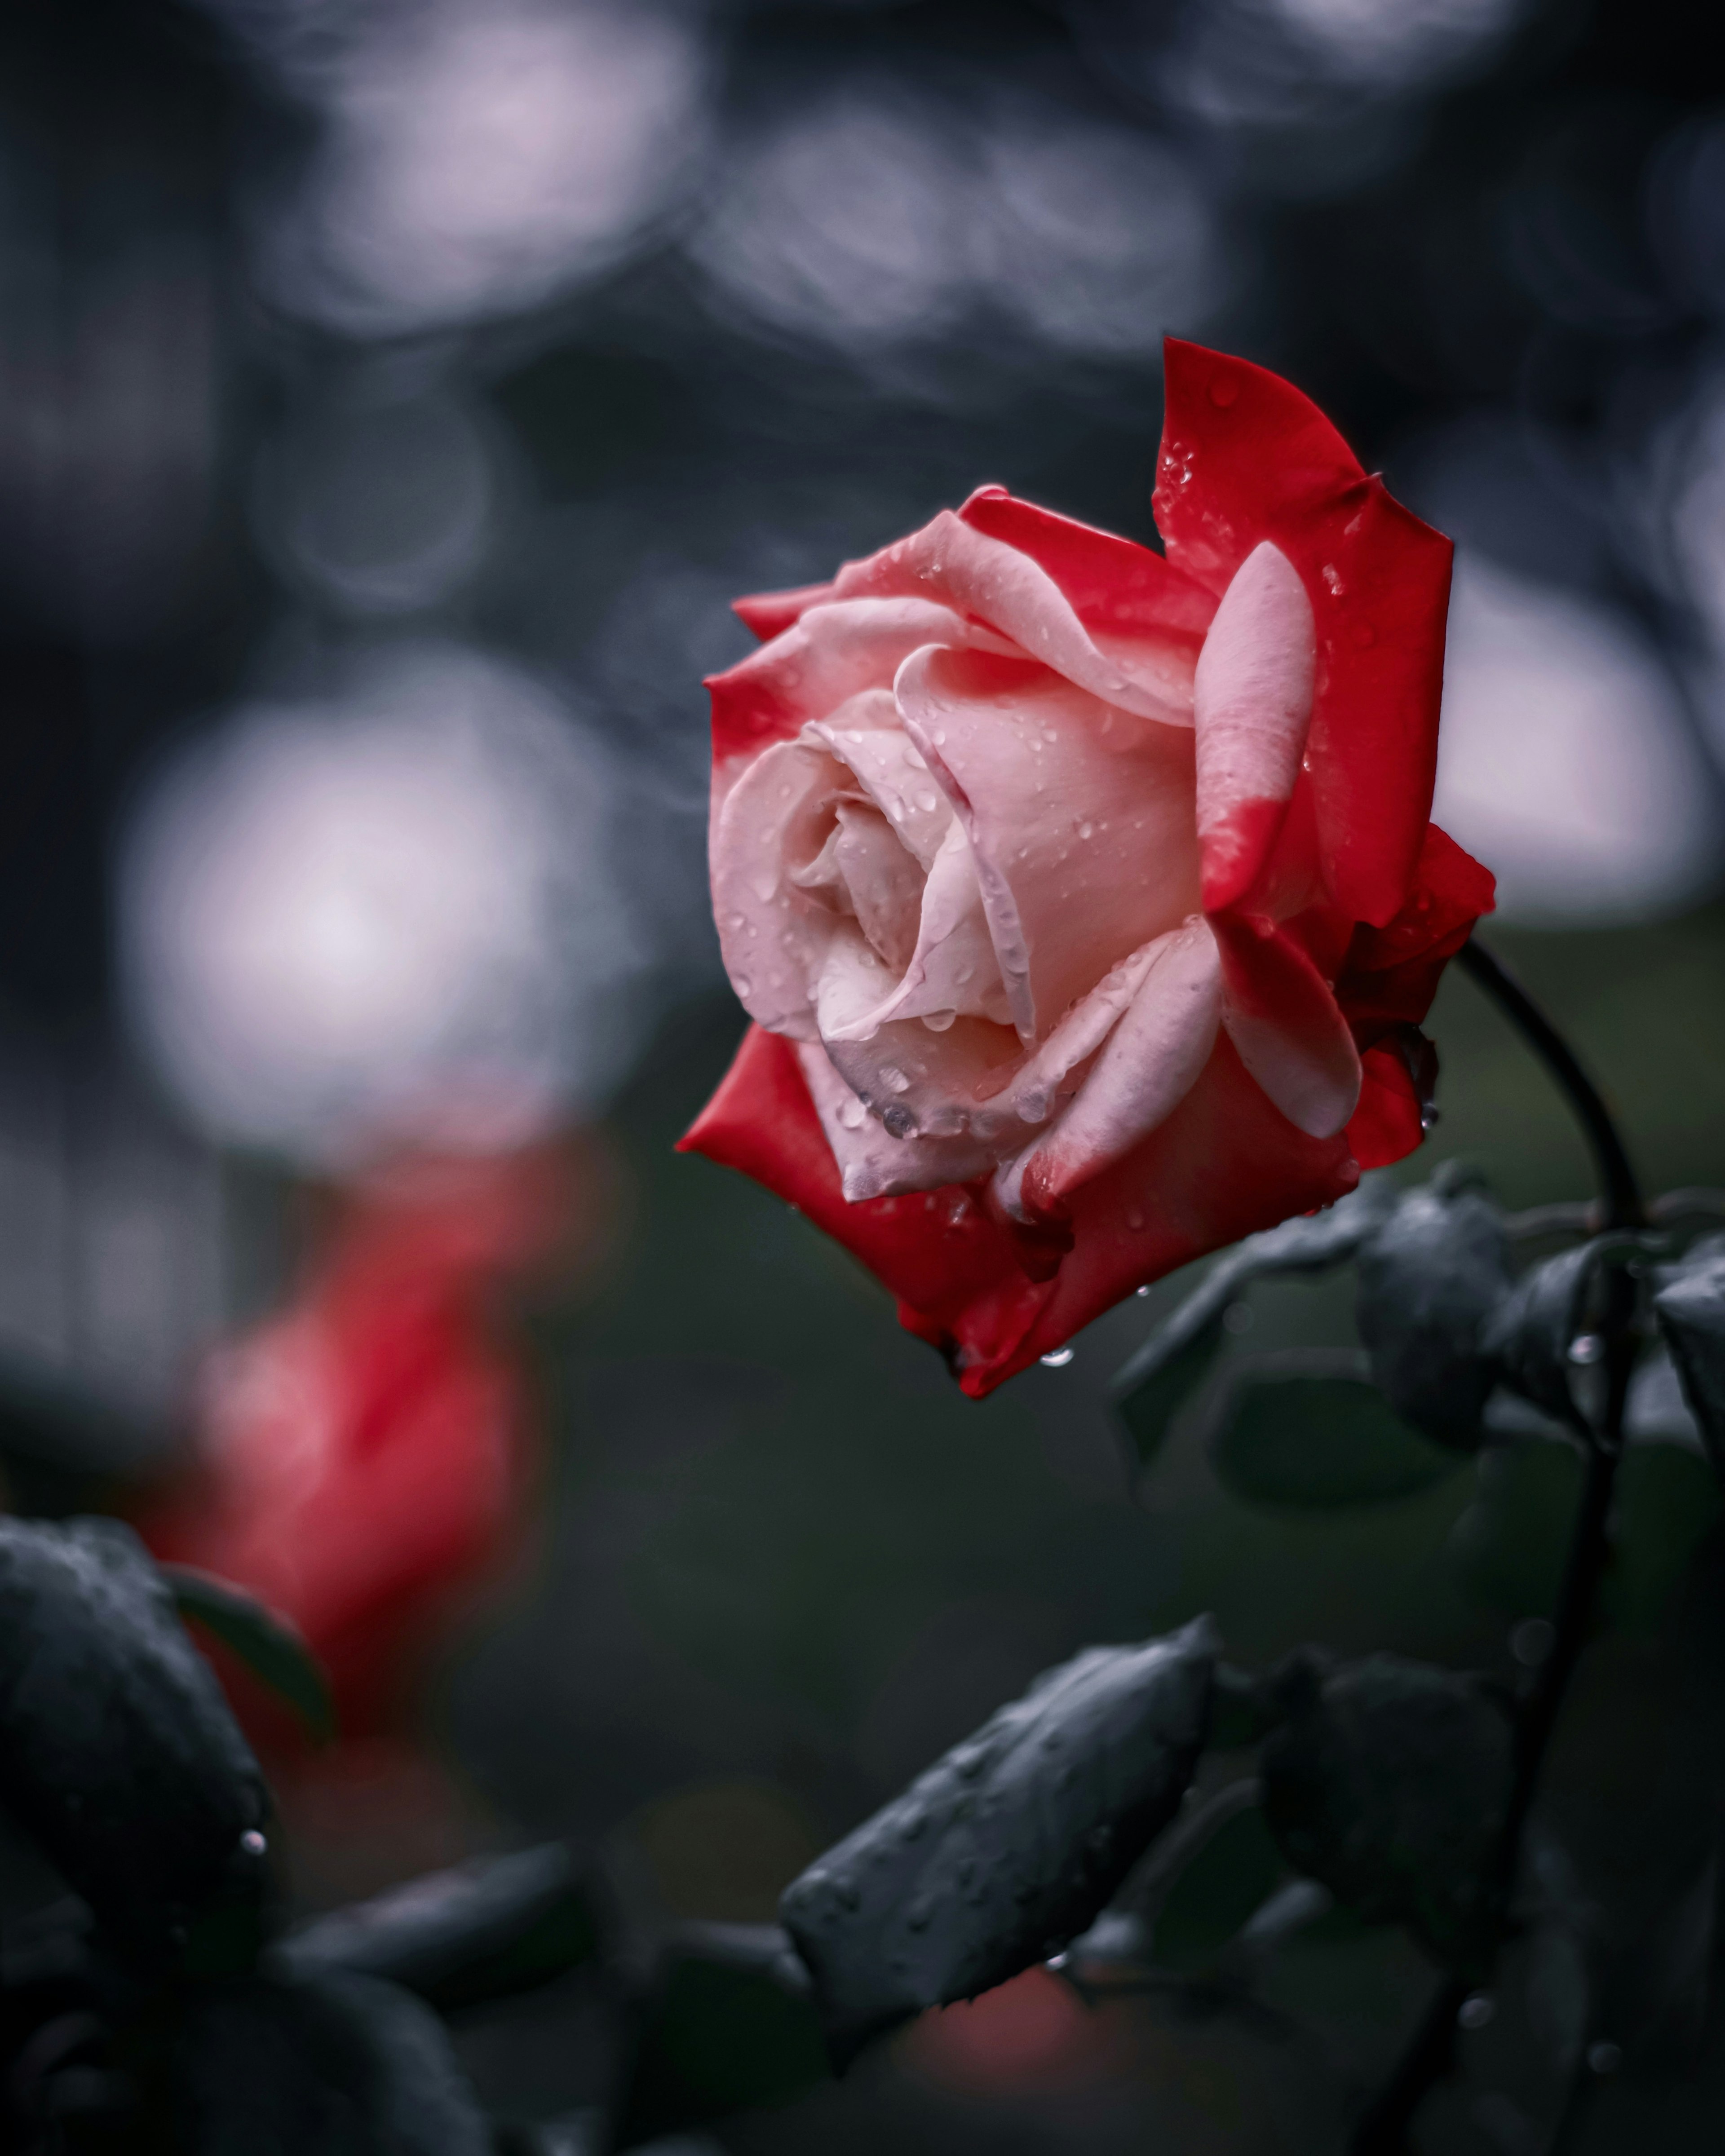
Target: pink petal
(952,970)
(1284,1020)
(923,1081)
(1252,705)
(1112,584)
(826,656)
(1080,818)
(995,584)
(1151,1062)
(773,936)
(873,1163)
(863,871)
(867,735)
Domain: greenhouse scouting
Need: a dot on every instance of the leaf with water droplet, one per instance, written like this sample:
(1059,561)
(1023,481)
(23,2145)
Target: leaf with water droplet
(1019,1845)
(267,1644)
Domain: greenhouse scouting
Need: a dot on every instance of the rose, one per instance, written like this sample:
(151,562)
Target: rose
(1085,900)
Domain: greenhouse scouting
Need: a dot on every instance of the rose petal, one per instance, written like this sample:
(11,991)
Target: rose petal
(773,937)
(1112,584)
(771,613)
(952,971)
(1245,458)
(1392,974)
(996,584)
(1252,704)
(873,1163)
(830,652)
(1080,818)
(917,1079)
(1286,1026)
(950,1264)
(867,735)
(863,870)
(1151,1062)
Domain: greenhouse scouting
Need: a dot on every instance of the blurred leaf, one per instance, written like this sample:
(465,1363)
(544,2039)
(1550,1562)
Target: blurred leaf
(1226,1883)
(729,2025)
(1668,1498)
(1388,1783)
(1659,1981)
(1511,1543)
(117,1750)
(337,2065)
(480,1931)
(1690,1310)
(1008,1847)
(1307,1429)
(1558,1999)
(1150,1389)
(1430,1276)
(1538,1322)
(266,1643)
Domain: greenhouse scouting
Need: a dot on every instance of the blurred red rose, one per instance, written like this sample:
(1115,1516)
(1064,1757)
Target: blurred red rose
(1083,900)
(363,1456)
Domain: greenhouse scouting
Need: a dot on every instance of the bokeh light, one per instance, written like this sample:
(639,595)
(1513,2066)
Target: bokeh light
(387,914)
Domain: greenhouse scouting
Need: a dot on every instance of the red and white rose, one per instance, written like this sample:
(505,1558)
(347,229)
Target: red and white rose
(1080,896)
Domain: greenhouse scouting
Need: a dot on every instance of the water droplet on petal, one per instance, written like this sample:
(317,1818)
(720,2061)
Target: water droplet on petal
(254,1843)
(1135,1219)
(1223,389)
(1058,1359)
(894,1078)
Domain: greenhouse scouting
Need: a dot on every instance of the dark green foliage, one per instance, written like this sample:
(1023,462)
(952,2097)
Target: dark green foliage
(1309,1429)
(1430,1278)
(1510,1544)
(1231,1877)
(117,1751)
(267,1645)
(1241,1709)
(486,1929)
(1176,1357)
(729,2025)
(342,2065)
(1690,1310)
(1536,1326)
(1007,1847)
(1388,1782)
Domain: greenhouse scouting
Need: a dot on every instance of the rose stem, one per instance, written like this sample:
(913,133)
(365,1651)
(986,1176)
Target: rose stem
(1431,2055)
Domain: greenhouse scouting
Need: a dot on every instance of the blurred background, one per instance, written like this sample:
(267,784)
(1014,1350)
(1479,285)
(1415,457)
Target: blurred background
(393,393)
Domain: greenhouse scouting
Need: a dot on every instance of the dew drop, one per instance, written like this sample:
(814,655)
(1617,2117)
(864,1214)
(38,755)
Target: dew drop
(1585,1348)
(254,1843)
(1140,1291)
(1134,1219)
(894,1079)
(1058,1359)
(853,1115)
(938,1021)
(1333,578)
(739,982)
(1223,389)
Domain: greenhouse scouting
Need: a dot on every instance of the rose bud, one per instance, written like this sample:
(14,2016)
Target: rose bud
(1086,899)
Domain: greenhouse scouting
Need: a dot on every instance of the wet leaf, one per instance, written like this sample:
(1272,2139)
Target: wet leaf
(117,1750)
(1169,1368)
(1430,1278)
(342,2065)
(1536,1324)
(1388,1783)
(1691,1311)
(480,1931)
(1008,1846)
(729,2025)
(1307,1430)
(267,1644)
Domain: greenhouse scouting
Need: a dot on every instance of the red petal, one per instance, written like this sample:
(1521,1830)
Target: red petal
(953,1269)
(1392,974)
(1386,1126)
(1245,458)
(1110,582)
(770,613)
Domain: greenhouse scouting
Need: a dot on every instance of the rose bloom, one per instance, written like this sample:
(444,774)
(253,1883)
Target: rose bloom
(1085,900)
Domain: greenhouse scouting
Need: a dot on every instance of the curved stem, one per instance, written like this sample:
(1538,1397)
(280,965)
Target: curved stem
(1430,2056)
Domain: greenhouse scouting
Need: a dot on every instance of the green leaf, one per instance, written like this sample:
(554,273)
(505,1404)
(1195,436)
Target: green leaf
(1510,1544)
(1241,1709)
(267,1644)
(1691,1311)
(478,1932)
(1668,1499)
(1430,1278)
(729,2025)
(1150,1389)
(1308,1430)
(1224,1884)
(117,1750)
(1537,1322)
(1008,1847)
(1388,1783)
